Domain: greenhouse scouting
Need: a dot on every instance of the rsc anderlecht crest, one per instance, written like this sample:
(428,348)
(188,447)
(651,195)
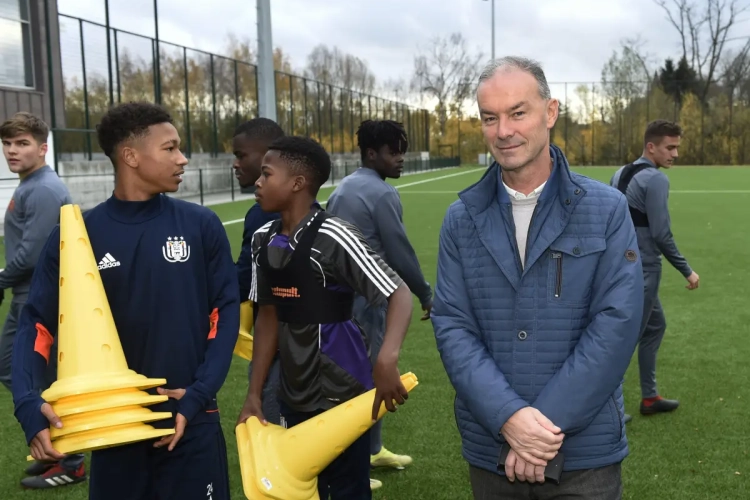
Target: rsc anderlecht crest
(176,249)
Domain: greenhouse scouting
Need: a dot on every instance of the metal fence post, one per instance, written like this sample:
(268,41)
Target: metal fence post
(117,68)
(320,118)
(236,96)
(187,106)
(109,55)
(307,121)
(213,107)
(85,91)
(200,182)
(51,81)
(157,56)
(291,104)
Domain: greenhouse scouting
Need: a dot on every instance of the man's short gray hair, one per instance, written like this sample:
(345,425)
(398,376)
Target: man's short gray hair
(520,63)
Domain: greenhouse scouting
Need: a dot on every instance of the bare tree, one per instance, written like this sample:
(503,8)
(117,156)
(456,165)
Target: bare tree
(321,64)
(735,69)
(334,67)
(625,76)
(354,73)
(241,49)
(632,48)
(445,71)
(395,89)
(704,27)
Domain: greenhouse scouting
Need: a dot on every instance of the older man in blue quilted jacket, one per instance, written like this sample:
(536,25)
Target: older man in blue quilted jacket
(538,305)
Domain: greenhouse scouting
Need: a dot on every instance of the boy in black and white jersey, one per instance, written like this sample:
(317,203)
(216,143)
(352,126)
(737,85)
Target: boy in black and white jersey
(307,268)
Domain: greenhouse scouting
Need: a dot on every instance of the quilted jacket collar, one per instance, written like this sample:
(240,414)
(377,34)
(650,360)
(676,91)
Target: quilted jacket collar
(482,194)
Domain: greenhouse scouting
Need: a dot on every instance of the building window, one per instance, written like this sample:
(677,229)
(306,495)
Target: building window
(16,68)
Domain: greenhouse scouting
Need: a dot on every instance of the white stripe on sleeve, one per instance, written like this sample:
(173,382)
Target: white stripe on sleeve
(357,251)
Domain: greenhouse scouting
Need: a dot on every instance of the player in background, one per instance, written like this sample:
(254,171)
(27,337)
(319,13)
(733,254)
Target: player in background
(308,267)
(176,312)
(32,214)
(646,188)
(250,144)
(365,200)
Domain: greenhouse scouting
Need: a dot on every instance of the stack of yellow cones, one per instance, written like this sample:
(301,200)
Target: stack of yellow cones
(98,399)
(283,464)
(244,346)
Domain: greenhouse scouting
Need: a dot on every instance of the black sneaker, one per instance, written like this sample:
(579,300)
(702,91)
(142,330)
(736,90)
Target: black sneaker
(658,405)
(55,477)
(38,467)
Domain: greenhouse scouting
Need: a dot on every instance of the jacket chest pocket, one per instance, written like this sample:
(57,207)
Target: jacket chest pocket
(572,266)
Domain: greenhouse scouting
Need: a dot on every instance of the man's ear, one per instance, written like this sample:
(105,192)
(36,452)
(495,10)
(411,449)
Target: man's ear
(553,110)
(129,157)
(371,154)
(300,183)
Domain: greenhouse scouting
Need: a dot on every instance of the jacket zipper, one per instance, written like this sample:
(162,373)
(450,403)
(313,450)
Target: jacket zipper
(558,281)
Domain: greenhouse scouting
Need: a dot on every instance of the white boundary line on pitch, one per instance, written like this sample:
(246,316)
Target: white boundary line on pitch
(704,191)
(408,184)
(730,191)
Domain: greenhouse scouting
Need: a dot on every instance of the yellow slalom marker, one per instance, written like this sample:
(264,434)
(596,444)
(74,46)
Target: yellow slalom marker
(73,405)
(244,346)
(95,391)
(283,464)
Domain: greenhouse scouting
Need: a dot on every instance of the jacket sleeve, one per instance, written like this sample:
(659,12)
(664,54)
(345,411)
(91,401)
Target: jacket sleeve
(660,225)
(254,220)
(399,252)
(42,210)
(224,320)
(350,261)
(593,371)
(260,287)
(471,369)
(245,260)
(37,328)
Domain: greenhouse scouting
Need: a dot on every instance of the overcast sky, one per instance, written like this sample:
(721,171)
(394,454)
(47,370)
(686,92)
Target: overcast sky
(572,38)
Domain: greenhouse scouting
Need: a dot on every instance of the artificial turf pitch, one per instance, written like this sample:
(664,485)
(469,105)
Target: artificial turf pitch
(699,452)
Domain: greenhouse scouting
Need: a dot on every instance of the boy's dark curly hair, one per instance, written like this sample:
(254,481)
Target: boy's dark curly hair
(374,134)
(305,157)
(128,121)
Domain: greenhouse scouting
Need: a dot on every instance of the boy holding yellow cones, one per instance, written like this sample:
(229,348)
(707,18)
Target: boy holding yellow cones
(308,267)
(170,281)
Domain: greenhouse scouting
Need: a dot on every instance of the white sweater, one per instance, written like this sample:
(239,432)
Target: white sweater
(523,208)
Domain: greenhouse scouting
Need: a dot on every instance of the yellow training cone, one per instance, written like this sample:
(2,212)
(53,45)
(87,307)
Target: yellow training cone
(97,439)
(283,464)
(90,357)
(96,396)
(244,346)
(73,405)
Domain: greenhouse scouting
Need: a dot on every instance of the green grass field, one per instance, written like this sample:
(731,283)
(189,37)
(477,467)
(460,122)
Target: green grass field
(699,452)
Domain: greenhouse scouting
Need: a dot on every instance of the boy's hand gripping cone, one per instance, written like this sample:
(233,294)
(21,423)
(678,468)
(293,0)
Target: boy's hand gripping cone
(283,464)
(99,400)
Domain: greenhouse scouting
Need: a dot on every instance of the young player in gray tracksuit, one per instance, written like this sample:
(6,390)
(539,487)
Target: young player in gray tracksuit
(647,190)
(32,214)
(371,204)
